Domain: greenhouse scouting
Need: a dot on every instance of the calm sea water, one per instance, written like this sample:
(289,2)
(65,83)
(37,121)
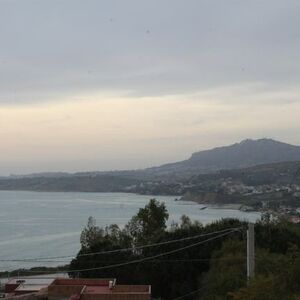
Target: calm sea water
(38,224)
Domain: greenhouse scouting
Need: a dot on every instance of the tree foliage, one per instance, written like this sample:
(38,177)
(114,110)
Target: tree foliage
(148,223)
(217,268)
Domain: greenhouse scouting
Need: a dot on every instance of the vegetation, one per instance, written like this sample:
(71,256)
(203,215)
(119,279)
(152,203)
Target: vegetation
(209,267)
(215,269)
(72,183)
(34,271)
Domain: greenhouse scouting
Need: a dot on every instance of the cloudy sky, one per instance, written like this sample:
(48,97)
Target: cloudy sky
(101,85)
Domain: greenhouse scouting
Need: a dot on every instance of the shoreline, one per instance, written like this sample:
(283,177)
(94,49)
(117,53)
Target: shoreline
(192,209)
(219,206)
(233,206)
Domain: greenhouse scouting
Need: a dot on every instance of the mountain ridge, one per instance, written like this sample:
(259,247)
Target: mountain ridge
(239,156)
(247,153)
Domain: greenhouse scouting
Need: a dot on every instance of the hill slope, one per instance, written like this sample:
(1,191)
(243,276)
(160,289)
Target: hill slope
(246,154)
(240,155)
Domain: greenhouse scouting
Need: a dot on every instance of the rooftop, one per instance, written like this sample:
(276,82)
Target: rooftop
(31,280)
(77,289)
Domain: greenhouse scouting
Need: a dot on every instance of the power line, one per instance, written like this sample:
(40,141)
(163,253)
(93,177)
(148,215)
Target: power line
(189,294)
(141,259)
(119,250)
(155,260)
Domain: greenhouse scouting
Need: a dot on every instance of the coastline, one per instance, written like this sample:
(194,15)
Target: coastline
(234,206)
(216,201)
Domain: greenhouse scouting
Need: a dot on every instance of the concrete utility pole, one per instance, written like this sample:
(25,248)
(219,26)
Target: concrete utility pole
(250,251)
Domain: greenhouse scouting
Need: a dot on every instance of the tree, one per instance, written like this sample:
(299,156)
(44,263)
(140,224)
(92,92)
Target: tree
(148,223)
(172,275)
(227,270)
(91,234)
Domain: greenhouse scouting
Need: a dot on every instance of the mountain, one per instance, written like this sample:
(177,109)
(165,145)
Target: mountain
(245,154)
(240,155)
(280,173)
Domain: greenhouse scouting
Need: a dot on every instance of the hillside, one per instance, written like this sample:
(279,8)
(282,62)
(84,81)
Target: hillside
(88,183)
(230,161)
(266,177)
(276,185)
(240,155)
(281,173)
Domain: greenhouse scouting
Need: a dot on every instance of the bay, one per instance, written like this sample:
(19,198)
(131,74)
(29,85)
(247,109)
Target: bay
(40,224)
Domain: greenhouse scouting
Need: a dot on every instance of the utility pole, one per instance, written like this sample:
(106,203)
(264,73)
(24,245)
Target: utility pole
(250,251)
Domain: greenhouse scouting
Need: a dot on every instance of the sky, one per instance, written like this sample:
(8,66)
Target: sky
(105,85)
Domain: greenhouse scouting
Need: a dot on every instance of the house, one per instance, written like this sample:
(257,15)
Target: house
(26,285)
(75,289)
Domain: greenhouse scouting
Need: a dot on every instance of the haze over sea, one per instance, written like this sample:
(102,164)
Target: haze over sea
(40,224)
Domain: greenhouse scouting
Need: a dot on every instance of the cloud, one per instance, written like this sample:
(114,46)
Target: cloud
(57,49)
(127,84)
(123,133)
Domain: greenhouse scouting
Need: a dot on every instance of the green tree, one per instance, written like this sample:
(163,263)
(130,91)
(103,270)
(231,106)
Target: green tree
(227,270)
(148,223)
(172,275)
(91,234)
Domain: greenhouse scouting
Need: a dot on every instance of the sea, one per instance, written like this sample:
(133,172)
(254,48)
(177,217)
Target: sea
(41,225)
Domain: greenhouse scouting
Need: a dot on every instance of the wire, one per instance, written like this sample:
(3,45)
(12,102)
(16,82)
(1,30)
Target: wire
(189,294)
(142,259)
(156,260)
(119,250)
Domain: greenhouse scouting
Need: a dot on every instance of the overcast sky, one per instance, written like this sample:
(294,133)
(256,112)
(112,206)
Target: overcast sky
(101,85)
